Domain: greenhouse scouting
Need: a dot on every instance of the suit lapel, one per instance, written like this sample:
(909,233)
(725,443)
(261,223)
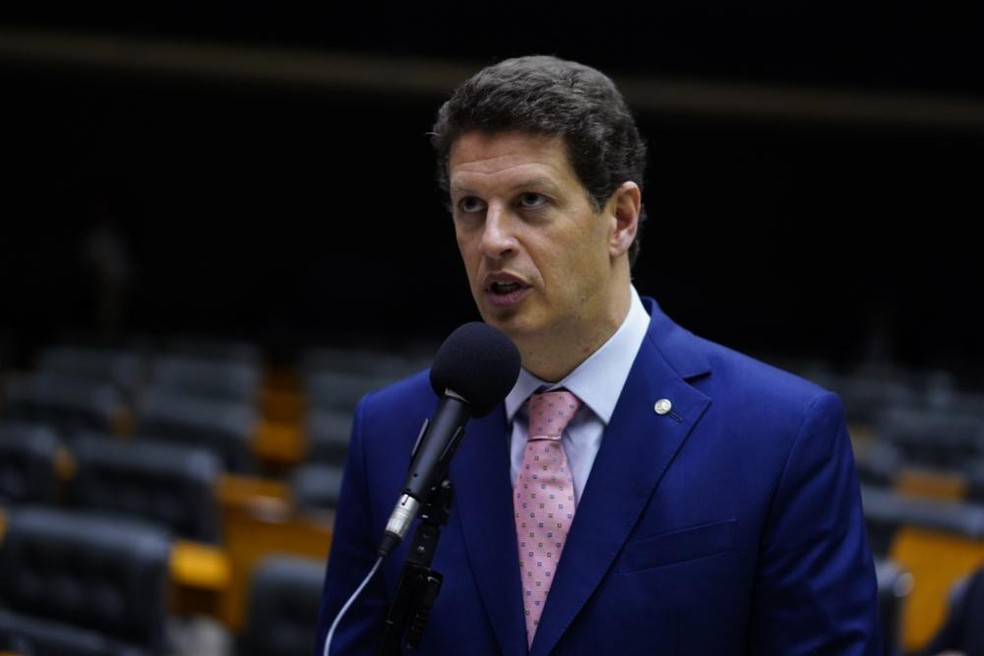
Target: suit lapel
(483,496)
(638,447)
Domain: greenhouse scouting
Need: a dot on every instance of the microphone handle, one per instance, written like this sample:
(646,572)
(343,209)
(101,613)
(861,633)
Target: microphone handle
(437,446)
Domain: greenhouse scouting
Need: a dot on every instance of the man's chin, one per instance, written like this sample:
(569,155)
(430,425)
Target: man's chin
(510,322)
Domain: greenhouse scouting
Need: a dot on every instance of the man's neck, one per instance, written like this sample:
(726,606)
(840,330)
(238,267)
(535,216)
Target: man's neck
(551,357)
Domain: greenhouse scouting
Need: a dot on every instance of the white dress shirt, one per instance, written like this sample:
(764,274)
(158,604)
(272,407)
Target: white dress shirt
(598,382)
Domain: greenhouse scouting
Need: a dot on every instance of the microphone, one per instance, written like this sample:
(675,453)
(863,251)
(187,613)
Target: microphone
(474,370)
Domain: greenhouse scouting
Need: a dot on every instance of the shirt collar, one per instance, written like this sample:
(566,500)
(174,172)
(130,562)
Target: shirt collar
(597,381)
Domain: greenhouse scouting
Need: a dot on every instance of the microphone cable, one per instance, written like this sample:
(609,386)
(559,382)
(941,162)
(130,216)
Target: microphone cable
(351,599)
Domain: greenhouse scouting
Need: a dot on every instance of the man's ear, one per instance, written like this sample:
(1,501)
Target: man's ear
(624,205)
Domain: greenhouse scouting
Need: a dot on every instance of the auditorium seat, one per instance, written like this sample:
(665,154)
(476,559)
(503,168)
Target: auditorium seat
(887,510)
(65,404)
(282,606)
(894,586)
(315,486)
(28,464)
(174,484)
(865,397)
(960,633)
(964,402)
(884,512)
(82,585)
(225,427)
(122,368)
(933,437)
(936,541)
(974,473)
(879,463)
(209,379)
(214,348)
(327,435)
(339,391)
(371,361)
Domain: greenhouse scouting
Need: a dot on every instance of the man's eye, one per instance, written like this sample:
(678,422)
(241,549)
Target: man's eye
(532,200)
(470,204)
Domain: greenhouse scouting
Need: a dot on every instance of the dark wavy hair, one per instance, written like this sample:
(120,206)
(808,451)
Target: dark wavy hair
(546,95)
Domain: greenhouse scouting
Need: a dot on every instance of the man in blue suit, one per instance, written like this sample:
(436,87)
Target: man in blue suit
(717,507)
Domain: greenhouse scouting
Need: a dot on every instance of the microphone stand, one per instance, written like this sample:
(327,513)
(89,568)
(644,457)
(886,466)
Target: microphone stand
(419,584)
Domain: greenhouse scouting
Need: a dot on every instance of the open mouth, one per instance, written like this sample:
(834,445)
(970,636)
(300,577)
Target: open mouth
(504,287)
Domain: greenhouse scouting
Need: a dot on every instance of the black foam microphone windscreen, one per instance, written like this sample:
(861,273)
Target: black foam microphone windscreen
(479,363)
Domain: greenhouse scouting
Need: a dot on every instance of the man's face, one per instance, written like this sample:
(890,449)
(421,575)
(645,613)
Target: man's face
(539,257)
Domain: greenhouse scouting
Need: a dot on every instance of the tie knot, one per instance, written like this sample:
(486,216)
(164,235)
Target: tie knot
(550,413)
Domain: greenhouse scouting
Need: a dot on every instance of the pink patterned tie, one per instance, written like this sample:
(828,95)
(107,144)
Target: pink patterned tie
(543,499)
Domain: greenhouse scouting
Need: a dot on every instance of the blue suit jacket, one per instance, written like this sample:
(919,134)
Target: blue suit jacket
(731,525)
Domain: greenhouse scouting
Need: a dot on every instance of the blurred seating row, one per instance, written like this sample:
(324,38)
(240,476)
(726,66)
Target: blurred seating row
(100,586)
(179,397)
(920,457)
(869,388)
(961,634)
(233,466)
(931,437)
(220,525)
(257,419)
(179,485)
(894,587)
(934,542)
(74,584)
(223,371)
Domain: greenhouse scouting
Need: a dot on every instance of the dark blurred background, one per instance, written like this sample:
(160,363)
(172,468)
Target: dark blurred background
(261,170)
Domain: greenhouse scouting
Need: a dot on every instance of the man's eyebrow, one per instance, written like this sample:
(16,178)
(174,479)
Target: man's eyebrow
(535,182)
(539,181)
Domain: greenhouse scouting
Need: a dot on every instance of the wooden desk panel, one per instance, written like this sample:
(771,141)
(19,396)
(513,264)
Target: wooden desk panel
(252,532)
(279,445)
(936,560)
(931,484)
